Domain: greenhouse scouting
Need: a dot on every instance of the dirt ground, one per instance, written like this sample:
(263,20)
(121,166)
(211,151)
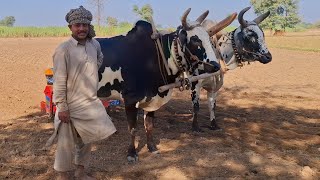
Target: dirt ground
(270,116)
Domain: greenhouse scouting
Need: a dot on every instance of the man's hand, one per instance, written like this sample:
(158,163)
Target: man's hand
(64,116)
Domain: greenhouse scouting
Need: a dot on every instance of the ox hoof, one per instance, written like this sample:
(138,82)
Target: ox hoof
(153,149)
(197,129)
(215,128)
(132,158)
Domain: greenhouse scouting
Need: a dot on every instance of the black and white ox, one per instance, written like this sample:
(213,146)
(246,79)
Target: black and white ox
(132,70)
(244,44)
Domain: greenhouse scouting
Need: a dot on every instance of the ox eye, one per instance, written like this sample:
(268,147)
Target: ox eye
(199,48)
(253,39)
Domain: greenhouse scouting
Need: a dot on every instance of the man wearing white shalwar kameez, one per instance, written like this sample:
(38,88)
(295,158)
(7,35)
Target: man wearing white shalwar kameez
(81,117)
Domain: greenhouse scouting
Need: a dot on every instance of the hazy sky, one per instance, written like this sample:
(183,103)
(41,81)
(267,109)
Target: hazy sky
(166,12)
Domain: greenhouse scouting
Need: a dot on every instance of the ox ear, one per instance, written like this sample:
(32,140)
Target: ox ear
(182,35)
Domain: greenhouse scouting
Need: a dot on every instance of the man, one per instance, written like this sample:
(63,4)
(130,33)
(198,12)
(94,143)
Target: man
(81,117)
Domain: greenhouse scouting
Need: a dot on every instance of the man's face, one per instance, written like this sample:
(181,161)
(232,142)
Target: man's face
(80,31)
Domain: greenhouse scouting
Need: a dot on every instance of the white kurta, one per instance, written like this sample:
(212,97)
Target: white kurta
(75,89)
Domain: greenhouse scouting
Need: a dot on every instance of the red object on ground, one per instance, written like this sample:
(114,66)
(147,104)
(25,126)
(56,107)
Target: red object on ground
(50,108)
(105,103)
(43,106)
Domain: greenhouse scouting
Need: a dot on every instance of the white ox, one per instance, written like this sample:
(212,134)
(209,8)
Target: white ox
(244,44)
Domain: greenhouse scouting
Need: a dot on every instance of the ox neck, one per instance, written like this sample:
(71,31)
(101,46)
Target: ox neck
(227,50)
(173,51)
(168,48)
(178,57)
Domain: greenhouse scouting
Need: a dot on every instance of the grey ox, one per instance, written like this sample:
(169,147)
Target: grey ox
(244,44)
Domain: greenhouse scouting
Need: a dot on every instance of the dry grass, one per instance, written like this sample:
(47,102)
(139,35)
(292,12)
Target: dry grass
(301,41)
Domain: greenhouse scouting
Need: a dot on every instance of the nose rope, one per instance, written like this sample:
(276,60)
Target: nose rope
(251,52)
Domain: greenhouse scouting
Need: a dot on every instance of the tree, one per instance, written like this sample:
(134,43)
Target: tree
(112,21)
(145,12)
(283,13)
(8,21)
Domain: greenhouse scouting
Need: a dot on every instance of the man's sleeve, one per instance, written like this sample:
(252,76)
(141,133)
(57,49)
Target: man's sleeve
(100,55)
(60,79)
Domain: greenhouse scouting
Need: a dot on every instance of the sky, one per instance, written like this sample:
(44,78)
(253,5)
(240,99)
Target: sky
(166,12)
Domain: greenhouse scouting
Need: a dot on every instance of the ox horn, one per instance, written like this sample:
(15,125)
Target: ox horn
(202,16)
(221,25)
(184,19)
(259,19)
(243,22)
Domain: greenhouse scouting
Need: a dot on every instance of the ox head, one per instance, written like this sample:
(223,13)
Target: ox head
(249,39)
(195,41)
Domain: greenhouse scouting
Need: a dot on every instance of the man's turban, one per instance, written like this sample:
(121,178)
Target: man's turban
(83,16)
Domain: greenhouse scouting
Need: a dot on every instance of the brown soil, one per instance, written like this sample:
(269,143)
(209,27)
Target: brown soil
(269,114)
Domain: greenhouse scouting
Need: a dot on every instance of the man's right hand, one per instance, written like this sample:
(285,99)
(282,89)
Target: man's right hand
(64,116)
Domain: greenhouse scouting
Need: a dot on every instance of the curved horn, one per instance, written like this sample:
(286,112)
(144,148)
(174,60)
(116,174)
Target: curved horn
(184,19)
(202,16)
(242,22)
(259,19)
(221,25)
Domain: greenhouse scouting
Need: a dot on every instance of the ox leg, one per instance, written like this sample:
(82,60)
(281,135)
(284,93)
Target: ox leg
(131,112)
(148,124)
(195,95)
(211,96)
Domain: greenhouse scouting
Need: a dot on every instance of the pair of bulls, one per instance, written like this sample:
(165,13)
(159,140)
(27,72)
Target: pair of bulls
(132,70)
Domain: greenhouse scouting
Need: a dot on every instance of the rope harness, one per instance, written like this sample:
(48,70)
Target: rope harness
(192,61)
(235,49)
(177,59)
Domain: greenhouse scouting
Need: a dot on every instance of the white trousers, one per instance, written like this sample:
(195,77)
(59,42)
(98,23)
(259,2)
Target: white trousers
(70,146)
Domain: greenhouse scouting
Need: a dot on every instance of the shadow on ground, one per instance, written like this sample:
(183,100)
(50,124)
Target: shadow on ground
(257,142)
